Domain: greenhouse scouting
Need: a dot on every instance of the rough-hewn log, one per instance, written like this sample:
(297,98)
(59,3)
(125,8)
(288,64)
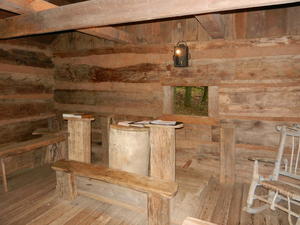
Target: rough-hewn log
(141,73)
(260,102)
(213,24)
(24,57)
(106,98)
(14,109)
(25,6)
(101,13)
(109,86)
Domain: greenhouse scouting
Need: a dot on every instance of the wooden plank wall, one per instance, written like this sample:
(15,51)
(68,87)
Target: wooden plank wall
(255,80)
(26,97)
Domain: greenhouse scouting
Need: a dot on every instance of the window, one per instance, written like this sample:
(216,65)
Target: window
(191,100)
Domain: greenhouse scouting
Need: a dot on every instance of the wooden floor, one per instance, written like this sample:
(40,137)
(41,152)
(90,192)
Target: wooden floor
(32,200)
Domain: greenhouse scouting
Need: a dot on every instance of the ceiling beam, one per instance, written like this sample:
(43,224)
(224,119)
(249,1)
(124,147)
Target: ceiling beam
(30,6)
(95,13)
(213,24)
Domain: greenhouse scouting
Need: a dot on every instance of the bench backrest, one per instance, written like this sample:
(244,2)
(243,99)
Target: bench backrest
(26,146)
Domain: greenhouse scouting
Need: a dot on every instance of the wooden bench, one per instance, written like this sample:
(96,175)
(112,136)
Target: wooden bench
(13,149)
(159,191)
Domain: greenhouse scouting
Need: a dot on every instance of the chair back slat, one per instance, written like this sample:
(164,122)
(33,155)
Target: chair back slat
(287,162)
(292,155)
(297,158)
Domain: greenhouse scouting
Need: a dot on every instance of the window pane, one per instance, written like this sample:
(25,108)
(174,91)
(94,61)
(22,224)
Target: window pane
(191,100)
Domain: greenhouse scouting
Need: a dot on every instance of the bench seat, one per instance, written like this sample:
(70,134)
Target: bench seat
(12,149)
(136,182)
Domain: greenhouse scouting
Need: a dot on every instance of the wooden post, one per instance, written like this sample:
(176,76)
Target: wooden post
(158,210)
(162,158)
(162,166)
(227,153)
(105,123)
(4,175)
(79,140)
(65,185)
(168,100)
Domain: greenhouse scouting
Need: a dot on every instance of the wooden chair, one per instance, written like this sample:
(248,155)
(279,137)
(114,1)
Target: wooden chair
(284,183)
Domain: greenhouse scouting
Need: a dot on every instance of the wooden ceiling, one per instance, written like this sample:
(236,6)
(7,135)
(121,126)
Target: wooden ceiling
(40,16)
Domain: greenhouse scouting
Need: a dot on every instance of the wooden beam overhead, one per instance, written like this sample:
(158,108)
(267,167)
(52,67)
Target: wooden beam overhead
(213,24)
(95,13)
(30,6)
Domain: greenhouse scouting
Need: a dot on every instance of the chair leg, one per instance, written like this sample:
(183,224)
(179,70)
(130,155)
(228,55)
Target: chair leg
(254,183)
(251,194)
(4,175)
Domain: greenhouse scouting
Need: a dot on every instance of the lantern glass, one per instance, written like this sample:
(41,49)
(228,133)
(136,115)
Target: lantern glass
(181,53)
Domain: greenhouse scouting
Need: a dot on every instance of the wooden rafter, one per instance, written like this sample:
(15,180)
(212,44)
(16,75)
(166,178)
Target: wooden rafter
(213,24)
(95,13)
(30,6)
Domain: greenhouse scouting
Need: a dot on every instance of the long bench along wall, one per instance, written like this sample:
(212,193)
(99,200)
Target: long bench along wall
(26,98)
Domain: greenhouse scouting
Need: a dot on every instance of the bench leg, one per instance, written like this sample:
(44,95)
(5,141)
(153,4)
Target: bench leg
(4,175)
(158,210)
(65,185)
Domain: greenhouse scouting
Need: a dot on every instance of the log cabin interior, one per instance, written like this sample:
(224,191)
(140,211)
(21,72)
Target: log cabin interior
(72,72)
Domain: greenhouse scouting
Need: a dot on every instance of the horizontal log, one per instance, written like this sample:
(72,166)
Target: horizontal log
(23,7)
(11,85)
(27,96)
(26,119)
(101,13)
(20,130)
(27,58)
(105,98)
(135,74)
(212,49)
(134,110)
(202,73)
(191,119)
(263,118)
(28,70)
(108,86)
(16,109)
(260,102)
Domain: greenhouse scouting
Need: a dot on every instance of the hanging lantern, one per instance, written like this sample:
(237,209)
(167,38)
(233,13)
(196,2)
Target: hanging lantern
(181,55)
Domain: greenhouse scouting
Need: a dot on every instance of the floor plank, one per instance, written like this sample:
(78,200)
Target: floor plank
(32,200)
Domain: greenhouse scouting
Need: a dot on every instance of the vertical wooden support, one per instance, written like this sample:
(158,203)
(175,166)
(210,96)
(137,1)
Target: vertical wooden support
(227,153)
(168,100)
(65,185)
(105,123)
(213,101)
(158,210)
(162,158)
(162,166)
(79,140)
(4,179)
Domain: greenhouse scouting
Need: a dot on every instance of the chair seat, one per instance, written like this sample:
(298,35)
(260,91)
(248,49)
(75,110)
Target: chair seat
(283,188)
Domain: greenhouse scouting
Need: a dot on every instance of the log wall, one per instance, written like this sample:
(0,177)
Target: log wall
(26,98)
(255,84)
